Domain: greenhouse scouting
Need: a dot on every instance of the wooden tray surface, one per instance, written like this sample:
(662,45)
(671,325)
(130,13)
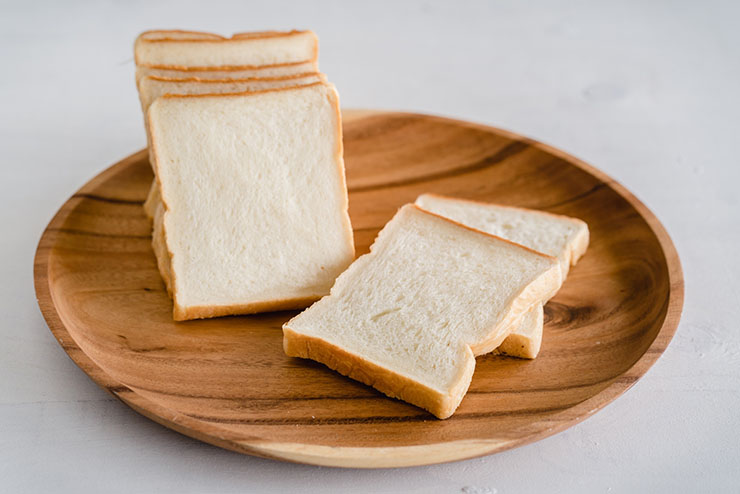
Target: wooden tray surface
(227,382)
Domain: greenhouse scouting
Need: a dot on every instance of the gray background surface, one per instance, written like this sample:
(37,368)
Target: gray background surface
(648,91)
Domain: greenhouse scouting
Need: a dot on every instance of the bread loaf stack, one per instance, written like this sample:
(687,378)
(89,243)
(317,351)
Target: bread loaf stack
(249,202)
(249,214)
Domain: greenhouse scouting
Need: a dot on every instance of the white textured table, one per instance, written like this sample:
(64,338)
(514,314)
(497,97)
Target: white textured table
(647,91)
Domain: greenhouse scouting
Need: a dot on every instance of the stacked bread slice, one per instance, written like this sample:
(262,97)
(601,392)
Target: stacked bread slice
(444,282)
(562,237)
(249,202)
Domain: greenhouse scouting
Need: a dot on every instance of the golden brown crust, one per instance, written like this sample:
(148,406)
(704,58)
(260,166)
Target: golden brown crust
(225,68)
(384,380)
(243,93)
(212,37)
(164,34)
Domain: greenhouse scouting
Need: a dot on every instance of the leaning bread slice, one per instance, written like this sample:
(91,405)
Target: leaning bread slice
(559,236)
(409,317)
(255,202)
(151,88)
(273,70)
(260,49)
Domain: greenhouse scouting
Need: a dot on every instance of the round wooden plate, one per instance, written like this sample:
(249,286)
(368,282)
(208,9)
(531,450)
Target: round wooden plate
(227,382)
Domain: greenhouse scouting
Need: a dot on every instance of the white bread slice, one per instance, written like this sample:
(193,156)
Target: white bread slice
(559,236)
(255,202)
(409,317)
(151,88)
(160,34)
(159,246)
(257,49)
(526,339)
(275,70)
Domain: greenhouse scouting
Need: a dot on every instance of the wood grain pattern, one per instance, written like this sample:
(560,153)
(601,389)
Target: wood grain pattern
(226,381)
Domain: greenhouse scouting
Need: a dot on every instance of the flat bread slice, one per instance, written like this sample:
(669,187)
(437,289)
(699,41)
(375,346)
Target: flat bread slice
(409,317)
(259,49)
(255,201)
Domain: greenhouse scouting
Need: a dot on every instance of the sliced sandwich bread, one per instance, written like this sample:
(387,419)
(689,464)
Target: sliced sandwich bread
(254,50)
(151,88)
(559,236)
(275,70)
(255,202)
(409,317)
(562,237)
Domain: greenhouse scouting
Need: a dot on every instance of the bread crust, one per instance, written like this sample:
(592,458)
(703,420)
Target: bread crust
(227,80)
(224,68)
(384,380)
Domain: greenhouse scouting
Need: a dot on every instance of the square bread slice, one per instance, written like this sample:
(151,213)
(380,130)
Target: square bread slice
(255,49)
(559,236)
(274,70)
(152,87)
(409,317)
(160,34)
(255,202)
(562,237)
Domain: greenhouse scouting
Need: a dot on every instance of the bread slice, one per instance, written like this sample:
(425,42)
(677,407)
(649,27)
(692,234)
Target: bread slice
(409,317)
(559,236)
(254,50)
(274,70)
(151,88)
(525,339)
(255,202)
(163,34)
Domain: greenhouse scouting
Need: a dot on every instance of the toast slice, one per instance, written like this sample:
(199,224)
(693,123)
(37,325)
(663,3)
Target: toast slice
(254,197)
(562,237)
(559,236)
(409,317)
(246,49)
(152,87)
(274,70)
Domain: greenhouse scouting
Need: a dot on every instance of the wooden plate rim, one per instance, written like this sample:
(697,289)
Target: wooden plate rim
(362,457)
